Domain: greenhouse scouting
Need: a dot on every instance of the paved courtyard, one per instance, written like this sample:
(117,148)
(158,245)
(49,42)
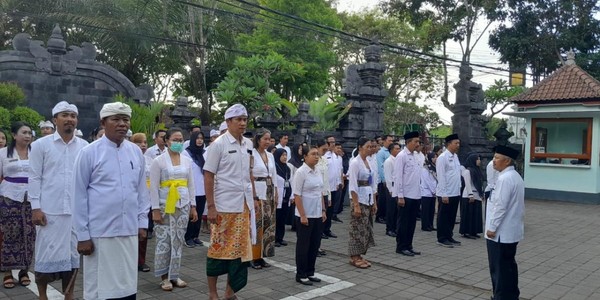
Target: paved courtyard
(559,259)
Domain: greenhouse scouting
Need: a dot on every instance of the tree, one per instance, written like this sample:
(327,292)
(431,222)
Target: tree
(406,78)
(312,50)
(498,96)
(144,118)
(254,83)
(401,117)
(450,20)
(537,32)
(27,115)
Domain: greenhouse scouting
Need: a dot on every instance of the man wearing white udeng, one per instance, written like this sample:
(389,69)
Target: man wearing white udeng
(111,208)
(52,161)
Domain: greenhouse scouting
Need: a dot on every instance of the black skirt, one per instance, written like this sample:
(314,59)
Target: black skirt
(471,217)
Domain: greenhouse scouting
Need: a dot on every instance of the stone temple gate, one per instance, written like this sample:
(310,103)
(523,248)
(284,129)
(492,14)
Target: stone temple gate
(56,72)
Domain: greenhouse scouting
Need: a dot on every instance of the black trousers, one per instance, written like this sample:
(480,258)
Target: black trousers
(427,212)
(391,214)
(339,206)
(280,216)
(130,297)
(381,201)
(407,221)
(307,246)
(446,218)
(503,270)
(193,228)
(328,212)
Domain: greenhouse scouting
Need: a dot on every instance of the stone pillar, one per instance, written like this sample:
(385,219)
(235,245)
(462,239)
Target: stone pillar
(303,123)
(182,116)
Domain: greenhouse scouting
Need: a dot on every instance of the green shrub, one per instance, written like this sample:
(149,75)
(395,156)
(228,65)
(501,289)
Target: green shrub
(27,115)
(4,118)
(11,95)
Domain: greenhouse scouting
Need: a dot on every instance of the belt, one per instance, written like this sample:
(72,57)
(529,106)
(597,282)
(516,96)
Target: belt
(261,178)
(17,179)
(173,194)
(363,183)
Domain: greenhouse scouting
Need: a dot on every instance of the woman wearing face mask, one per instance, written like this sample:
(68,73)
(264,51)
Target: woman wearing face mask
(172,194)
(16,224)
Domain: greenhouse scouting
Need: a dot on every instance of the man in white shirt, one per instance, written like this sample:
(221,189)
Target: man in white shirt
(407,187)
(46,128)
(50,192)
(283,141)
(111,208)
(230,206)
(448,191)
(388,170)
(504,225)
(382,155)
(323,168)
(159,144)
(334,173)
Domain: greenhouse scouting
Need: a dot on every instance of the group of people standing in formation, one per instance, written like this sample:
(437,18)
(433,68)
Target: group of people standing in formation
(115,192)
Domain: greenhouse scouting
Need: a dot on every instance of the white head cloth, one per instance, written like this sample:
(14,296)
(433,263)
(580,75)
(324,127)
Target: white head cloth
(44,124)
(214,132)
(78,133)
(223,126)
(235,110)
(64,106)
(115,108)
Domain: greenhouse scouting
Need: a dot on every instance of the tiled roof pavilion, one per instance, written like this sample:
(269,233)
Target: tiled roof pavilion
(568,84)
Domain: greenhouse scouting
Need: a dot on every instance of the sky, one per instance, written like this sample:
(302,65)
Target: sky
(482,54)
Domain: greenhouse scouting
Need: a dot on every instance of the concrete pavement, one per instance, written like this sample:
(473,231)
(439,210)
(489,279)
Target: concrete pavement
(559,259)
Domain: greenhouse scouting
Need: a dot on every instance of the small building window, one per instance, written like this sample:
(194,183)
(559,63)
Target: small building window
(561,141)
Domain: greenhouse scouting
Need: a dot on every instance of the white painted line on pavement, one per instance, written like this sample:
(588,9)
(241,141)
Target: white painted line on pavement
(52,293)
(335,284)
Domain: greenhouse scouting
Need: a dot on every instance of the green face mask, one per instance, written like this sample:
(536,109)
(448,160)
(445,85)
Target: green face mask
(176,147)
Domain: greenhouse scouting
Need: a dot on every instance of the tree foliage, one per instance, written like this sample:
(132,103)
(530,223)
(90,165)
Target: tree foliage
(312,50)
(27,115)
(144,118)
(254,82)
(11,95)
(537,32)
(327,113)
(402,117)
(498,96)
(450,20)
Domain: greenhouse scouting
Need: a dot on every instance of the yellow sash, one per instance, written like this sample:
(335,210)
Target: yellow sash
(173,194)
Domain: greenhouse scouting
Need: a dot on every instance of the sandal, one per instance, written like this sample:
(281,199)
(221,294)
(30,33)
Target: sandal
(166,285)
(179,283)
(255,265)
(365,262)
(8,281)
(24,278)
(358,263)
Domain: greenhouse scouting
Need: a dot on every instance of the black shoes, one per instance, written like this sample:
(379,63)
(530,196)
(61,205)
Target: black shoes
(314,279)
(405,252)
(390,233)
(453,241)
(321,253)
(428,229)
(415,252)
(336,219)
(446,244)
(324,236)
(304,281)
(380,220)
(330,235)
(281,243)
(144,268)
(468,236)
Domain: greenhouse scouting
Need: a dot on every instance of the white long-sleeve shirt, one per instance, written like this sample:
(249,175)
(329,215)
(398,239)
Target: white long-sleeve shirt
(388,171)
(153,152)
(334,170)
(263,170)
(428,183)
(359,171)
(505,210)
(447,169)
(470,189)
(162,169)
(198,176)
(16,168)
(111,197)
(51,163)
(407,175)
(492,176)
